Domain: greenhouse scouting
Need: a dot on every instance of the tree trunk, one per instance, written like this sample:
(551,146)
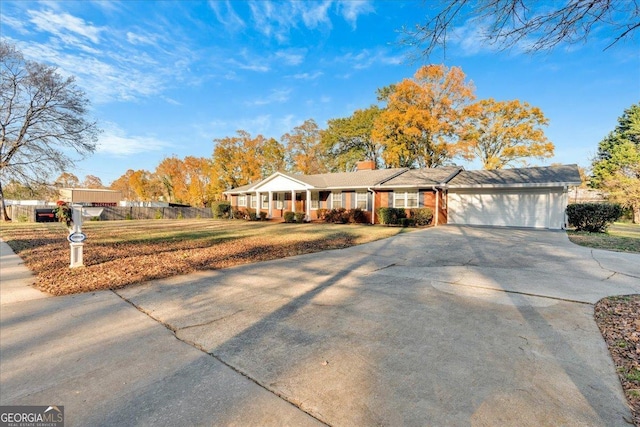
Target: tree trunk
(5,216)
(636,214)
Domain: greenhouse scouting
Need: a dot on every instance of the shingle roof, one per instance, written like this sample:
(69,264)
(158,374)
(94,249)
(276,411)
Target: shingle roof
(241,188)
(454,176)
(346,180)
(537,176)
(364,178)
(421,177)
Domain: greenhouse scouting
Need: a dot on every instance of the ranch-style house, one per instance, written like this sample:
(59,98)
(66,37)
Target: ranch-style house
(521,197)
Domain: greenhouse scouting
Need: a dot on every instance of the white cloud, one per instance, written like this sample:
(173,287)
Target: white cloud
(141,39)
(277,19)
(16,24)
(103,82)
(115,142)
(315,13)
(172,101)
(277,96)
(64,26)
(114,65)
(307,76)
(352,9)
(107,6)
(471,39)
(291,56)
(273,21)
(250,66)
(227,17)
(367,58)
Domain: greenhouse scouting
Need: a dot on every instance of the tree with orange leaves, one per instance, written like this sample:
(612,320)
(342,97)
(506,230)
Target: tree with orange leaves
(170,173)
(305,152)
(499,133)
(199,174)
(122,184)
(145,186)
(242,159)
(419,126)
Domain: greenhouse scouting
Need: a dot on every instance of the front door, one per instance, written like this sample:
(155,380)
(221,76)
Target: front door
(299,203)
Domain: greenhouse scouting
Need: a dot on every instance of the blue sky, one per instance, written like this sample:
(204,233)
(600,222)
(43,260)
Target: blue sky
(167,78)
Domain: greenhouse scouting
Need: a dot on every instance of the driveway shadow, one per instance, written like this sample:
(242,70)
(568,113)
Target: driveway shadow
(434,327)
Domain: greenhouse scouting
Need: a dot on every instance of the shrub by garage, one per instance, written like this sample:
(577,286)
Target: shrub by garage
(593,217)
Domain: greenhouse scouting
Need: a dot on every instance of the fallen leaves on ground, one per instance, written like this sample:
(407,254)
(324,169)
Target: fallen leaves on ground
(117,255)
(619,321)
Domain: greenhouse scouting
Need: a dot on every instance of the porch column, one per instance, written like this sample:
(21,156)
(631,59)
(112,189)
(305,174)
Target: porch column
(293,201)
(308,205)
(270,204)
(373,207)
(258,203)
(437,212)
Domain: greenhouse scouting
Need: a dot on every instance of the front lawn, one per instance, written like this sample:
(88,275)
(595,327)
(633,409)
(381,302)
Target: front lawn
(620,237)
(120,253)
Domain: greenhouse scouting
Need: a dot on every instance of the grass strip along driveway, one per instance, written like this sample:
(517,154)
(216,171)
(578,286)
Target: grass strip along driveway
(120,253)
(620,237)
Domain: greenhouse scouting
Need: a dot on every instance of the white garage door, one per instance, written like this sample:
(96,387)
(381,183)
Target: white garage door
(531,208)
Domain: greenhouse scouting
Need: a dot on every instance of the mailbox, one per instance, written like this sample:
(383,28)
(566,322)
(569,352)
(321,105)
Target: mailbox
(46,215)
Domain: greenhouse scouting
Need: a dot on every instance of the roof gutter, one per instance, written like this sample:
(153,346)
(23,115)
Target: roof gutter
(523,185)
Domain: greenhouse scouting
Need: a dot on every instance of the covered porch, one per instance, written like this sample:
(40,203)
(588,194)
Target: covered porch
(276,195)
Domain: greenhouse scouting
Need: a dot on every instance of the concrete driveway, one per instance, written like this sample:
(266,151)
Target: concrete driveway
(445,326)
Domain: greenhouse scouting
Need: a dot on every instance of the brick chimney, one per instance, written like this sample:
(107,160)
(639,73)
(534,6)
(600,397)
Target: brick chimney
(366,165)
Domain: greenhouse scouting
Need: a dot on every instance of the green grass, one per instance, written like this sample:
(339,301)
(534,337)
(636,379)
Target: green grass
(621,237)
(634,375)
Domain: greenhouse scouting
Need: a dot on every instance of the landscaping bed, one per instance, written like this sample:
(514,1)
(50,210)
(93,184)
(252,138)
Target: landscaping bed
(618,317)
(619,321)
(120,253)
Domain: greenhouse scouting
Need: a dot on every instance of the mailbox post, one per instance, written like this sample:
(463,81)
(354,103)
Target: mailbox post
(76,238)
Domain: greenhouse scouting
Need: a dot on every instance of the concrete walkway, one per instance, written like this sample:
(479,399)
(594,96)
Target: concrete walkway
(445,326)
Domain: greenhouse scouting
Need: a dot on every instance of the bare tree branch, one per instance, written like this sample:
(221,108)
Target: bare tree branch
(534,25)
(42,116)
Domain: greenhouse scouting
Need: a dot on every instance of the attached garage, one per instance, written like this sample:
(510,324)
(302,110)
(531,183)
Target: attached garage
(512,208)
(522,197)
(530,197)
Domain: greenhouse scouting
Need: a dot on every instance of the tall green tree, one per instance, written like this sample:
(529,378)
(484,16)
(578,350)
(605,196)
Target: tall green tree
(627,130)
(623,183)
(616,166)
(349,140)
(43,118)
